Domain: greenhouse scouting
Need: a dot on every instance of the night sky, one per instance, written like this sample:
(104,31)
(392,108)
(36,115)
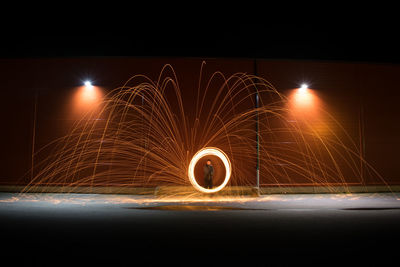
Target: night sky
(367,39)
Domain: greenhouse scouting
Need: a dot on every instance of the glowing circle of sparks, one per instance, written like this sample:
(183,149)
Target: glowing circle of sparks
(209,151)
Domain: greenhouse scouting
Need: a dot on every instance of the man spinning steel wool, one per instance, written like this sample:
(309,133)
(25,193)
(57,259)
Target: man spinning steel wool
(208,174)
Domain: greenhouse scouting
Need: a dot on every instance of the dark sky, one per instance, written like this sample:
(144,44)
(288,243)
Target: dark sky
(371,40)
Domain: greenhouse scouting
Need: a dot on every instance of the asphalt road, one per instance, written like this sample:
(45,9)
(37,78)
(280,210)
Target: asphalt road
(273,230)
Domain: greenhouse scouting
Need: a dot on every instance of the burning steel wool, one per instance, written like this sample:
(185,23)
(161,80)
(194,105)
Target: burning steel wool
(148,133)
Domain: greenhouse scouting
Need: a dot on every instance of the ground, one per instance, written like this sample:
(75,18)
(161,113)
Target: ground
(277,230)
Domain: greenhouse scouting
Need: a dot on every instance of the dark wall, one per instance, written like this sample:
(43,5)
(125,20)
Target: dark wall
(362,97)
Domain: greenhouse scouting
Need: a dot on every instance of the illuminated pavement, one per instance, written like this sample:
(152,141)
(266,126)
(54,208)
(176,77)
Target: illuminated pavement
(121,229)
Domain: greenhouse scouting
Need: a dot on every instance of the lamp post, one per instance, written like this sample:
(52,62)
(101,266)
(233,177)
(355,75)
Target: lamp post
(35,100)
(257,98)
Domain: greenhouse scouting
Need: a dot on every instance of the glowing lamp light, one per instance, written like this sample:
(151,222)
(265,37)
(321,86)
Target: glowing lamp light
(88,85)
(303,88)
(87,96)
(209,151)
(304,97)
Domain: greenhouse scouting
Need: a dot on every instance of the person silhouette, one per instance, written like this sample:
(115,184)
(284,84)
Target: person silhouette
(208,174)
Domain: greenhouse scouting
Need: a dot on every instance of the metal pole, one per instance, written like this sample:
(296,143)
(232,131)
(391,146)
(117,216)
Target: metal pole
(361,127)
(257,130)
(34,133)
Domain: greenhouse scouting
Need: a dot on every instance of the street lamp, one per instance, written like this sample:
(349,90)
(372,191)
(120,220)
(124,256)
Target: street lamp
(303,88)
(88,85)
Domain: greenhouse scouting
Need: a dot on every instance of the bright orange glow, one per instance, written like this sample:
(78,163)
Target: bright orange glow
(86,98)
(303,101)
(304,97)
(89,94)
(305,107)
